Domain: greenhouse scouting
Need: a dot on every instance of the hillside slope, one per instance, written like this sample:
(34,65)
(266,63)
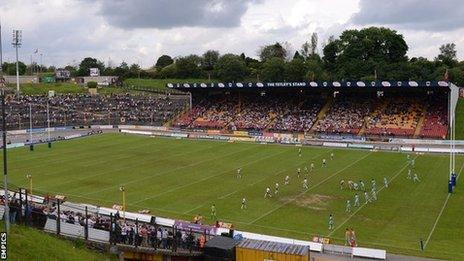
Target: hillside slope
(30,244)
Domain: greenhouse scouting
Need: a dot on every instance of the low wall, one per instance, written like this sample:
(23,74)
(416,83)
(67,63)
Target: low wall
(404,145)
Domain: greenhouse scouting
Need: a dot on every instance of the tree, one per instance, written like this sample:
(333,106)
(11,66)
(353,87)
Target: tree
(447,54)
(309,48)
(72,70)
(209,60)
(188,66)
(295,70)
(87,63)
(315,68)
(168,72)
(230,68)
(456,75)
(253,66)
(163,61)
(358,53)
(421,69)
(10,68)
(134,70)
(92,85)
(314,40)
(331,53)
(274,50)
(297,55)
(274,70)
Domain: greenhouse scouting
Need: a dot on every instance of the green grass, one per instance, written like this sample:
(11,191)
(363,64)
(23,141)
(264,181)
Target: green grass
(159,84)
(181,178)
(30,244)
(43,88)
(460,120)
(63,88)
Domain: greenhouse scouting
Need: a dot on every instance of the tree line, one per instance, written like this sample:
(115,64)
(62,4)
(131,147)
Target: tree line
(373,53)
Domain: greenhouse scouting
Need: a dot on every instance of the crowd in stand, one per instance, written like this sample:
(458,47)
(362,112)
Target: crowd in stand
(122,231)
(436,121)
(348,113)
(80,109)
(253,112)
(395,116)
(296,119)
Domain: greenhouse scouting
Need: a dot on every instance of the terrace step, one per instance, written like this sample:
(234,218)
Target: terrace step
(321,115)
(363,128)
(420,124)
(379,110)
(180,114)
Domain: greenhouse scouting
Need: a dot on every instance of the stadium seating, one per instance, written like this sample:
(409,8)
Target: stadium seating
(74,110)
(395,116)
(253,112)
(436,123)
(345,116)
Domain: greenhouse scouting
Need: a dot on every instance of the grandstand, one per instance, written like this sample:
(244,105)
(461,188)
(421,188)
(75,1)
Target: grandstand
(84,110)
(381,110)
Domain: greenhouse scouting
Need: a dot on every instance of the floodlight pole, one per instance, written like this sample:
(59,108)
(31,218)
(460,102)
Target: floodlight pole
(123,190)
(29,177)
(5,167)
(48,124)
(1,54)
(17,44)
(31,145)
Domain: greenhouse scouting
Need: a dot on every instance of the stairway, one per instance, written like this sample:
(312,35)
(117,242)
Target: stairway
(322,113)
(420,124)
(363,128)
(173,119)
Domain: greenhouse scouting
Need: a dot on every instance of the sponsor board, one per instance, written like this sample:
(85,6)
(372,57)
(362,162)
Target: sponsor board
(241,139)
(73,136)
(360,146)
(240,133)
(187,226)
(334,144)
(101,127)
(15,145)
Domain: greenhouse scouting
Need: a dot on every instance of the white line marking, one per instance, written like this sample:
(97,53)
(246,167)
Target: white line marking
(441,212)
(110,170)
(206,178)
(254,183)
(365,204)
(304,192)
(164,172)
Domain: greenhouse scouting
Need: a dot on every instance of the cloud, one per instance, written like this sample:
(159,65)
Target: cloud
(430,15)
(139,31)
(166,14)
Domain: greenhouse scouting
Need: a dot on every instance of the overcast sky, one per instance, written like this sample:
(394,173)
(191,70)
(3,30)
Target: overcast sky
(139,31)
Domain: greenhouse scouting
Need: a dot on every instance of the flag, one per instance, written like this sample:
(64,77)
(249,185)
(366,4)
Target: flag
(446,76)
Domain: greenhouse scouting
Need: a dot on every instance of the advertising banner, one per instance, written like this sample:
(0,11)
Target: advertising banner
(361,146)
(334,144)
(197,228)
(240,133)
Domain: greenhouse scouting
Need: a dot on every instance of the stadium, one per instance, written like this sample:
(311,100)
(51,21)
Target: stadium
(231,131)
(223,145)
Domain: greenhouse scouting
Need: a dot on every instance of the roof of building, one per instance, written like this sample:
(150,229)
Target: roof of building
(269,246)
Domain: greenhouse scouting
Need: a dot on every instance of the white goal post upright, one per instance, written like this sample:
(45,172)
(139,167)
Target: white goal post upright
(452,102)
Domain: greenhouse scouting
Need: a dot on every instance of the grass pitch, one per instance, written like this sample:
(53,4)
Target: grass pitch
(181,178)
